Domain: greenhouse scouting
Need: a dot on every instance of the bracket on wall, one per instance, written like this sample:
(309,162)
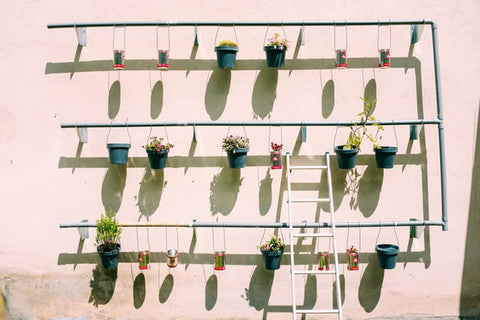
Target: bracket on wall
(83,231)
(303,129)
(81,36)
(82,134)
(302,37)
(195,39)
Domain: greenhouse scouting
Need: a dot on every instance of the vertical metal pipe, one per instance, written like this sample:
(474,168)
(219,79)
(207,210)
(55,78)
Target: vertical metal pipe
(441,140)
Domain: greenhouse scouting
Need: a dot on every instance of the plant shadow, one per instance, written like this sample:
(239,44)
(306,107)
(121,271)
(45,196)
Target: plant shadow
(260,288)
(113,186)
(224,190)
(102,284)
(150,193)
(265,194)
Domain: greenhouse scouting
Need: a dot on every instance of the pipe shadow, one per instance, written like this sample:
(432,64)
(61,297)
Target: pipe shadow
(217,92)
(103,285)
(224,190)
(264,93)
(150,193)
(113,186)
(139,291)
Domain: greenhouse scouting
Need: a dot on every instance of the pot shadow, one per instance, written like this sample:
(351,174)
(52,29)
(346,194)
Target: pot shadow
(369,188)
(113,186)
(341,277)
(370,91)
(150,193)
(217,91)
(370,287)
(166,288)
(338,185)
(328,98)
(103,285)
(114,99)
(211,292)
(265,194)
(224,190)
(260,288)
(264,93)
(156,100)
(311,294)
(139,290)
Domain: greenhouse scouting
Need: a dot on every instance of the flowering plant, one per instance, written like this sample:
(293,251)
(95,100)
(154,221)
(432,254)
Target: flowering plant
(273,245)
(276,40)
(227,43)
(276,147)
(230,143)
(155,144)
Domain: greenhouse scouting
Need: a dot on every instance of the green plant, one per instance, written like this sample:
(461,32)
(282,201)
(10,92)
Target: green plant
(108,232)
(273,245)
(359,129)
(155,144)
(230,143)
(227,43)
(276,40)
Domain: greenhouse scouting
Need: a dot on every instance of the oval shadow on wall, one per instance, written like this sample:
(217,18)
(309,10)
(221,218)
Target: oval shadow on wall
(224,190)
(370,90)
(166,288)
(260,288)
(265,194)
(369,188)
(156,100)
(150,193)
(264,93)
(328,98)
(217,91)
(139,290)
(211,292)
(114,99)
(113,186)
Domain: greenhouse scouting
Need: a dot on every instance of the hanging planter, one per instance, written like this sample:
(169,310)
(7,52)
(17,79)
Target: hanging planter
(226,54)
(346,158)
(276,156)
(157,152)
(219,260)
(341,58)
(272,252)
(352,258)
(323,260)
(387,255)
(163,62)
(144,260)
(384,57)
(236,148)
(385,157)
(172,257)
(275,51)
(108,239)
(119,51)
(118,152)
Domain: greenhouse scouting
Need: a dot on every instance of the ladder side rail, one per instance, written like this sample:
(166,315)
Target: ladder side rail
(290,235)
(335,252)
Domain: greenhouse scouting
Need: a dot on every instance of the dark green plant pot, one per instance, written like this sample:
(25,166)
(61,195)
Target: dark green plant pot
(346,158)
(109,258)
(385,157)
(275,56)
(237,158)
(226,56)
(118,152)
(157,160)
(272,260)
(387,255)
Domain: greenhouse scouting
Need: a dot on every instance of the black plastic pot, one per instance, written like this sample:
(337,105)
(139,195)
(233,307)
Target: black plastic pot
(226,56)
(237,158)
(385,157)
(109,258)
(275,55)
(272,259)
(157,160)
(118,152)
(346,158)
(387,255)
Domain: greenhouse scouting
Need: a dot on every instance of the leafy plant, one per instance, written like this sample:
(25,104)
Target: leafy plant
(230,143)
(273,245)
(359,129)
(278,41)
(227,43)
(276,147)
(156,144)
(108,231)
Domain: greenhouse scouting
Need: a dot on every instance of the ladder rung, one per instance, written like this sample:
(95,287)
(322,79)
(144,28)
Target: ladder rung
(314,271)
(308,167)
(318,311)
(313,235)
(310,200)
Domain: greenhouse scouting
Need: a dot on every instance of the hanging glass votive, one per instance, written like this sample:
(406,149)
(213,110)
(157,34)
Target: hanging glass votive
(323,260)
(163,62)
(219,260)
(384,56)
(144,260)
(352,258)
(172,257)
(119,59)
(341,58)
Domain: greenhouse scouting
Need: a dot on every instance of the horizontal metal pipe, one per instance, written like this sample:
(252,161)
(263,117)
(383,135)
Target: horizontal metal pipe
(246,124)
(195,224)
(236,24)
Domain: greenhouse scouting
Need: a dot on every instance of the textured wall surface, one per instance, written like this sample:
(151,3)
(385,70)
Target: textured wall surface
(49,177)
